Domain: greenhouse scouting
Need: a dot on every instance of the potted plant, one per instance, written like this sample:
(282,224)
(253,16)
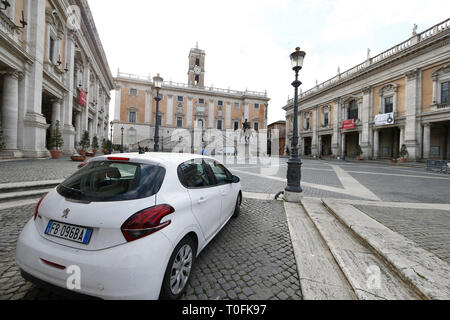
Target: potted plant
(106,146)
(404,154)
(94,145)
(394,160)
(359,152)
(78,158)
(84,143)
(56,142)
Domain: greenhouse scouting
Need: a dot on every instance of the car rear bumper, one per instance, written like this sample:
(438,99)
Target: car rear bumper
(133,270)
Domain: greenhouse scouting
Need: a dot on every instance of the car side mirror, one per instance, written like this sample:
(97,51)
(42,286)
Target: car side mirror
(235,179)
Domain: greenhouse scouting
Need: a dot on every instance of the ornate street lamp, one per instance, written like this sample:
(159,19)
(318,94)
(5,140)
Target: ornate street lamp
(157,83)
(110,145)
(121,140)
(294,164)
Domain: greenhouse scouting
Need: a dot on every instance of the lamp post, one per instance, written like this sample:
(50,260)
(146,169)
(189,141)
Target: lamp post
(121,140)
(110,145)
(294,164)
(157,83)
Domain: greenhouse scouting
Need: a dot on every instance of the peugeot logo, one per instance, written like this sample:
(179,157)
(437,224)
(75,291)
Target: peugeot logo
(65,213)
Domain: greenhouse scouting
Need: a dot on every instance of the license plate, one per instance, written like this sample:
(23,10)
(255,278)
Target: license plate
(68,232)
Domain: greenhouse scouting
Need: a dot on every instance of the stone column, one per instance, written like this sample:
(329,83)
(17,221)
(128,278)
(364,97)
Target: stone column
(376,143)
(10,114)
(343,145)
(412,110)
(314,143)
(56,111)
(426,140)
(68,129)
(148,106)
(211,114)
(117,104)
(77,127)
(35,125)
(402,137)
(336,122)
(366,119)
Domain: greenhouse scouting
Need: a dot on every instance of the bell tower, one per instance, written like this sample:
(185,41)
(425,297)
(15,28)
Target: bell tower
(196,73)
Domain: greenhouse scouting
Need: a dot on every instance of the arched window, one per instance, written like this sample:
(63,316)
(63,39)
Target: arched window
(353,110)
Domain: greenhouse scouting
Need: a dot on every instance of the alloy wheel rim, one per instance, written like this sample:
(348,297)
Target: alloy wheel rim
(181,269)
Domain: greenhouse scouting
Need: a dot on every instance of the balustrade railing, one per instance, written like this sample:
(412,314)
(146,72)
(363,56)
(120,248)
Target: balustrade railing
(438,28)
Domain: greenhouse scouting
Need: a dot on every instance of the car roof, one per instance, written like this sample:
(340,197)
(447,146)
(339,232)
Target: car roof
(162,158)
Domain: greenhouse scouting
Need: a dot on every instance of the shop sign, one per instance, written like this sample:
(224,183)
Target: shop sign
(384,119)
(348,124)
(82,99)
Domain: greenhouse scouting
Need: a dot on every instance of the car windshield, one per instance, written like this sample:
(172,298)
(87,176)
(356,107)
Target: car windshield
(113,181)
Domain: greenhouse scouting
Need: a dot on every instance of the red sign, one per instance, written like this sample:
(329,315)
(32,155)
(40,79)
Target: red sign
(348,124)
(82,99)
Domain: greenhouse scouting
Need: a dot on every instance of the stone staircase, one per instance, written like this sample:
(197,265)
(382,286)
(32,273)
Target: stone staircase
(342,253)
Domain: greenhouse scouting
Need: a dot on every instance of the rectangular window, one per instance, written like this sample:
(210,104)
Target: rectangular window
(132,117)
(179,122)
(307,123)
(236,105)
(445,92)
(256,105)
(325,121)
(256,126)
(201,100)
(219,124)
(133,92)
(180,99)
(220,103)
(197,62)
(236,125)
(51,53)
(388,104)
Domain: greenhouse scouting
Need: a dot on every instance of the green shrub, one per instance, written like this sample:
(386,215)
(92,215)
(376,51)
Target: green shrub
(56,140)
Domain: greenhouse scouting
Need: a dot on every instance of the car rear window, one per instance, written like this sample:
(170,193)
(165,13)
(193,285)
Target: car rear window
(113,181)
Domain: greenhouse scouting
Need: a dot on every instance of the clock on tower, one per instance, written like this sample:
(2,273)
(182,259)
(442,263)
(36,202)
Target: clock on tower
(196,73)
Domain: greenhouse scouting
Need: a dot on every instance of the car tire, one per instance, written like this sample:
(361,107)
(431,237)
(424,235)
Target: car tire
(237,208)
(179,266)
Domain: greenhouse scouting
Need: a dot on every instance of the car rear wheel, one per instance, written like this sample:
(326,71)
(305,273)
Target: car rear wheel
(237,208)
(178,270)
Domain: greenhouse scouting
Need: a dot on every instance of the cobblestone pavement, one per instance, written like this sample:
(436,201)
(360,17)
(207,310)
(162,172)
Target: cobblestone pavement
(429,229)
(251,258)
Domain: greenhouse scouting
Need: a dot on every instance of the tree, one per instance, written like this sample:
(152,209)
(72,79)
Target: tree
(95,143)
(56,140)
(85,141)
(106,144)
(2,142)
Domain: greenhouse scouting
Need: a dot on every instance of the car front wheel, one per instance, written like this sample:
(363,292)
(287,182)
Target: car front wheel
(178,270)
(237,208)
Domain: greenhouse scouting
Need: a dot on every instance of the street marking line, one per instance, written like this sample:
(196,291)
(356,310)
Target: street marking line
(258,196)
(353,186)
(351,192)
(406,205)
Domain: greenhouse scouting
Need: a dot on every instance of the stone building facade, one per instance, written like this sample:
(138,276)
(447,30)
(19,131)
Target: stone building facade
(399,97)
(184,106)
(52,68)
(276,138)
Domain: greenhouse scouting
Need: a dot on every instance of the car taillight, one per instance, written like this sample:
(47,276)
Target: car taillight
(37,207)
(146,222)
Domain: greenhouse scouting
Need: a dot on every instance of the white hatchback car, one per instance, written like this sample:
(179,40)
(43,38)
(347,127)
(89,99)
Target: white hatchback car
(129,226)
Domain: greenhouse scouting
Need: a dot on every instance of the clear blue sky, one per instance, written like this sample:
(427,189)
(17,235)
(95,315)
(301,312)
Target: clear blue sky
(248,42)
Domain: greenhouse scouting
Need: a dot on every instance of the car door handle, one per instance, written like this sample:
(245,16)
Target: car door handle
(202,200)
